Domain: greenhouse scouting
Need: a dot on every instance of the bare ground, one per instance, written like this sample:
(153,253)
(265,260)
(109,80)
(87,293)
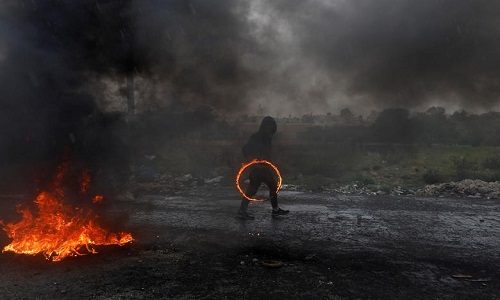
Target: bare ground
(190,246)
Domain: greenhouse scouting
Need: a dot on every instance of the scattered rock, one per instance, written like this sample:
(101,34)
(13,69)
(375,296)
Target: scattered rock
(184,178)
(310,256)
(372,189)
(214,180)
(290,187)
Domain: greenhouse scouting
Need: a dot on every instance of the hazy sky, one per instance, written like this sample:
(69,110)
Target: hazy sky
(293,56)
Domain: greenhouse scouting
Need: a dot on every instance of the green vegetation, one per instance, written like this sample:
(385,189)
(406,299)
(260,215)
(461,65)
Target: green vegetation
(408,167)
(397,150)
(318,166)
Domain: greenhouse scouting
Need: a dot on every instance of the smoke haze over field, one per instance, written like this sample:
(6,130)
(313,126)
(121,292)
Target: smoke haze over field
(288,56)
(382,54)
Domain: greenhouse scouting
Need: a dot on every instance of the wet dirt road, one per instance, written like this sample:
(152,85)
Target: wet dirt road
(190,246)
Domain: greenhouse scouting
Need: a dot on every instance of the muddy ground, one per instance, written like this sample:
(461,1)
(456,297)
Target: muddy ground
(190,246)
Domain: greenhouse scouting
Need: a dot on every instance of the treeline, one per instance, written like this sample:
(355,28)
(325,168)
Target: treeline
(397,125)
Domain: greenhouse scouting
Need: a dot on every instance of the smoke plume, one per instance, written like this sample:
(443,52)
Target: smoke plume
(60,59)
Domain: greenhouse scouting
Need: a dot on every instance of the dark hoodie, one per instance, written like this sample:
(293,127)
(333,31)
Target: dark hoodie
(259,145)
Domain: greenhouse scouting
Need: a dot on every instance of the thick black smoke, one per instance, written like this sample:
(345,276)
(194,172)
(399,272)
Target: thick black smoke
(54,54)
(62,44)
(289,56)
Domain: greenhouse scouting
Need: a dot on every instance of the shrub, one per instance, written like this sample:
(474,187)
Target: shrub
(432,176)
(364,180)
(492,162)
(464,168)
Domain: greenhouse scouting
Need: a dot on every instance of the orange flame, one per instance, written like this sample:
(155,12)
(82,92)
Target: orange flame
(58,230)
(98,199)
(253,162)
(84,181)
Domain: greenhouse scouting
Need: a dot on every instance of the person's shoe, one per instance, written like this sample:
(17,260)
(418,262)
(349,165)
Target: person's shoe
(243,215)
(279,212)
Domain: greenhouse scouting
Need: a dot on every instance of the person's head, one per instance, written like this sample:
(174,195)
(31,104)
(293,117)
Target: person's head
(268,126)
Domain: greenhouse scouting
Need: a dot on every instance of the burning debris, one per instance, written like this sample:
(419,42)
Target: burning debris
(57,229)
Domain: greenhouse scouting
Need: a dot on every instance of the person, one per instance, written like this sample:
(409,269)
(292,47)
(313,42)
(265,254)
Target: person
(259,147)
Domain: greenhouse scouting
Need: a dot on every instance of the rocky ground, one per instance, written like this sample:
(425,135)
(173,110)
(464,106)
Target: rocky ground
(468,188)
(332,246)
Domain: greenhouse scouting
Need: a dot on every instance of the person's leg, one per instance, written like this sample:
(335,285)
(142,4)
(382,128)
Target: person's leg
(253,187)
(272,182)
(273,186)
(274,200)
(269,178)
(255,178)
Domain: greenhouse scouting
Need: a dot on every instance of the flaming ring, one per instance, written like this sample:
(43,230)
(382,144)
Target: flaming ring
(253,162)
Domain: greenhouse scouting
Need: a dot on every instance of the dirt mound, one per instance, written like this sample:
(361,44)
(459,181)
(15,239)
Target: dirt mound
(465,188)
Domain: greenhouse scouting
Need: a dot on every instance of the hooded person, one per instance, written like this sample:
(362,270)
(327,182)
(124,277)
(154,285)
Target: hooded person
(259,147)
